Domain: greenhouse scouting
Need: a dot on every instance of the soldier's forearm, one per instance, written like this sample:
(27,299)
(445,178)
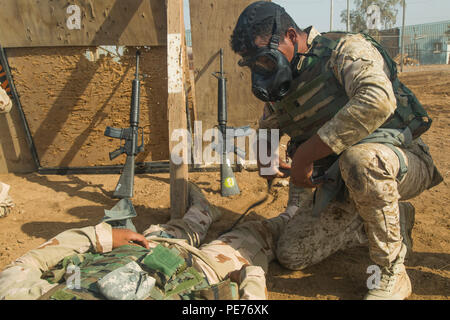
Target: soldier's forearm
(313,149)
(22,278)
(95,238)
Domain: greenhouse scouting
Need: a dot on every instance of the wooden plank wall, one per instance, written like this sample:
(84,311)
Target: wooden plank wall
(48,23)
(69,93)
(212,22)
(86,96)
(69,100)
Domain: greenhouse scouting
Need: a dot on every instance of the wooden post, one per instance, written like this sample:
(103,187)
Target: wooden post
(176,105)
(190,79)
(192,93)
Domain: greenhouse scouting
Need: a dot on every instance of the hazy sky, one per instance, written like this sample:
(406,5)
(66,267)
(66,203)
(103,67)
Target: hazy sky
(317,12)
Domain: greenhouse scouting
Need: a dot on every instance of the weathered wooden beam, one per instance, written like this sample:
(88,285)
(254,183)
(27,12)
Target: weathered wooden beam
(212,23)
(51,23)
(176,106)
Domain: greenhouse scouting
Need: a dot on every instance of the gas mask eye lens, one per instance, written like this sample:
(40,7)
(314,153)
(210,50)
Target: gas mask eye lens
(264,65)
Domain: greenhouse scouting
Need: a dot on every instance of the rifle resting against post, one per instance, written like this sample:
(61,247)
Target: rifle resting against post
(120,215)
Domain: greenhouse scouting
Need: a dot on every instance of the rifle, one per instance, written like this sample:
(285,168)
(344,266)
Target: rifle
(228,181)
(120,215)
(125,186)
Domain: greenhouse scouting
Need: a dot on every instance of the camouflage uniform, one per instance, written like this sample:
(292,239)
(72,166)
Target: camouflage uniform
(368,212)
(5,200)
(246,250)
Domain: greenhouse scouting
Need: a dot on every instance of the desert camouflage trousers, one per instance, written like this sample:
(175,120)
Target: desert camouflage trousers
(368,212)
(249,247)
(246,250)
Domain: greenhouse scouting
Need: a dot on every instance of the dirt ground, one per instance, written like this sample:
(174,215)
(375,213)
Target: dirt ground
(47,205)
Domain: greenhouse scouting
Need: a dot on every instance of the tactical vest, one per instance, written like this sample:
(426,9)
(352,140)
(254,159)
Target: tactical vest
(171,266)
(316,95)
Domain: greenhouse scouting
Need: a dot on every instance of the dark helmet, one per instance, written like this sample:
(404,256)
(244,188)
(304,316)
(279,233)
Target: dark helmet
(254,13)
(271,71)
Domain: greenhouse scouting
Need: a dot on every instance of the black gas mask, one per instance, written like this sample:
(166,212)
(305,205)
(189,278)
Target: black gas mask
(271,70)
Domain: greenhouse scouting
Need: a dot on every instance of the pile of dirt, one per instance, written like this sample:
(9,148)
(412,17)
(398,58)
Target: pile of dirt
(407,61)
(47,205)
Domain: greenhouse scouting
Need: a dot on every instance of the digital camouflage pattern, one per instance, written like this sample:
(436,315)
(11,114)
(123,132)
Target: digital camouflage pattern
(368,210)
(364,74)
(204,273)
(367,214)
(129,282)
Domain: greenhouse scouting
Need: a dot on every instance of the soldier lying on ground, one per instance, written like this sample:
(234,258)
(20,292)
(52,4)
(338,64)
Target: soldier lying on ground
(121,264)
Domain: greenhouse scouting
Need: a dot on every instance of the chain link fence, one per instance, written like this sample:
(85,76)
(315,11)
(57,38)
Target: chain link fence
(424,44)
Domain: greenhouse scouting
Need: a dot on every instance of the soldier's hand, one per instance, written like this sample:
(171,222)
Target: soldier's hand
(125,236)
(303,161)
(302,170)
(301,175)
(235,276)
(285,166)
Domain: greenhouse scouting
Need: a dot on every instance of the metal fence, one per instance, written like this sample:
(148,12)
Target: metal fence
(428,43)
(423,43)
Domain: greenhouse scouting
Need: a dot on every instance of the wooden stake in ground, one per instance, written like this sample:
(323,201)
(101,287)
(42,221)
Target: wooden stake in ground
(176,105)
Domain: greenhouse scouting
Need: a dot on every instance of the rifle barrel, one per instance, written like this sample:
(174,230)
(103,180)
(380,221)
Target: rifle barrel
(222,95)
(221,62)
(135,96)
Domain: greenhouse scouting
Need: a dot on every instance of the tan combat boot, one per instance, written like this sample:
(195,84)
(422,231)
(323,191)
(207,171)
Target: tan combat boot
(298,198)
(295,195)
(394,283)
(407,217)
(198,199)
(295,200)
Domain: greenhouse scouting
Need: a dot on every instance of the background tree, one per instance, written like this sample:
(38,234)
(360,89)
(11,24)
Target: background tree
(358,15)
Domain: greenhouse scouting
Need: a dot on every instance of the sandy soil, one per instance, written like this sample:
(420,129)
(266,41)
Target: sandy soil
(47,205)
